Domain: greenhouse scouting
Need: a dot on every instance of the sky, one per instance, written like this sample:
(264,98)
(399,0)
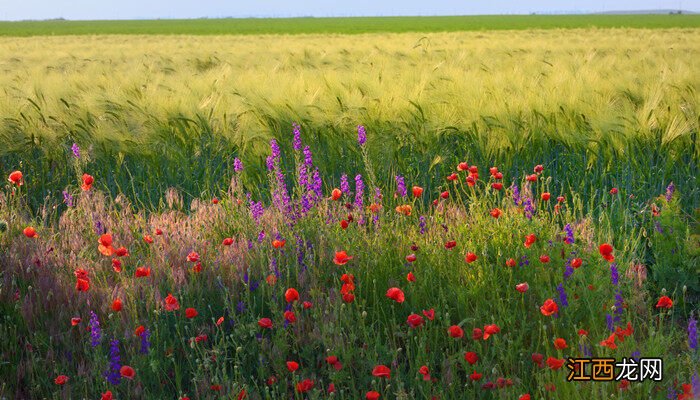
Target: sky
(149,9)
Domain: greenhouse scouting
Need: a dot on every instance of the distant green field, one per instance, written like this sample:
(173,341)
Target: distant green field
(255,26)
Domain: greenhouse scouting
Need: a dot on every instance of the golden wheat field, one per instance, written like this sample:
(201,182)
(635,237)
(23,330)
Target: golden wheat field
(622,80)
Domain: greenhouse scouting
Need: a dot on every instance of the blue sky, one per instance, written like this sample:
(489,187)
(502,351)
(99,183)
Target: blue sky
(136,9)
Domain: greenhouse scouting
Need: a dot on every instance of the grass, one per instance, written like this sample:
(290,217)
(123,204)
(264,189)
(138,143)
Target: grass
(226,349)
(357,25)
(145,104)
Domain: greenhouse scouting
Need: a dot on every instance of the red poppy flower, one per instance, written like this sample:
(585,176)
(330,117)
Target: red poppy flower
(410,277)
(538,359)
(404,209)
(498,176)
(510,263)
(292,366)
(613,191)
(331,388)
(497,185)
(471,181)
(82,285)
(417,191)
(544,259)
(158,232)
(30,232)
(549,307)
(375,207)
(117,304)
(609,342)
(490,330)
(525,396)
(75,321)
(522,287)
(219,321)
(305,385)
(344,224)
(477,333)
(452,177)
(430,314)
(348,297)
(531,178)
(622,333)
(105,245)
(216,388)
(475,376)
(395,294)
(61,380)
(664,302)
(139,330)
(606,251)
(171,303)
(265,323)
(414,320)
(142,272)
(687,392)
(87,182)
(227,241)
(471,357)
(106,395)
(197,268)
(121,252)
(576,262)
(148,239)
(538,169)
(530,240)
(336,194)
(127,372)
(445,194)
(15,178)
(450,244)
(291,295)
(555,363)
(382,371)
(341,258)
(307,305)
(560,343)
(545,196)
(496,213)
(331,360)
(372,395)
(455,332)
(193,257)
(411,258)
(190,312)
(470,257)
(290,317)
(462,166)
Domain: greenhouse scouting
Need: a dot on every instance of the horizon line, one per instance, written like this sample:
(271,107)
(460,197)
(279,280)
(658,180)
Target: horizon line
(669,11)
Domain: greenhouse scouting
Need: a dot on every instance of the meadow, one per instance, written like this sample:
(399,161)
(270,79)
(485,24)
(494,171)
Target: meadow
(439,215)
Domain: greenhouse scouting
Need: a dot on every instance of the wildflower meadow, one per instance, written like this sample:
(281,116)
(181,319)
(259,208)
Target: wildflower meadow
(480,289)
(180,237)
